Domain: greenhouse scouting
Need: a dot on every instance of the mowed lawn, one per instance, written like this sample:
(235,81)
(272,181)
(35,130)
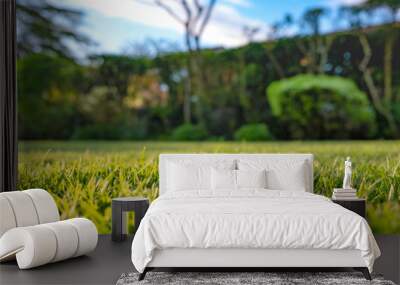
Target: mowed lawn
(83,176)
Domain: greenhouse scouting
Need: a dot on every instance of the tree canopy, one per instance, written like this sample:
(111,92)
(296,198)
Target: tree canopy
(349,77)
(45,27)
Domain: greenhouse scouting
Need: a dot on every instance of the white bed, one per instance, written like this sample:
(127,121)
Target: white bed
(248,227)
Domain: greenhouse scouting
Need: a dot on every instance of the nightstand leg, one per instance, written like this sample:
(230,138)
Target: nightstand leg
(124,219)
(116,231)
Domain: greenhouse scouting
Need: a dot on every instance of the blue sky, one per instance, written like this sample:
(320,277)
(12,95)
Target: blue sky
(116,24)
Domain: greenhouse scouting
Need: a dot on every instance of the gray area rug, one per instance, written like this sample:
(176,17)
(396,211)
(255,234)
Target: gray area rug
(228,278)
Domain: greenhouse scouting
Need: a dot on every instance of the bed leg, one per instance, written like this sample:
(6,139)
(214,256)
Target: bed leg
(143,274)
(364,271)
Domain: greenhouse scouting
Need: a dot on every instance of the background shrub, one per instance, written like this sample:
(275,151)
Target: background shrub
(119,130)
(321,107)
(253,132)
(189,132)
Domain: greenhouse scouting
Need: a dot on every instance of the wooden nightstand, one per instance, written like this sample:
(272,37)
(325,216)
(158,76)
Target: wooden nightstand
(356,205)
(119,208)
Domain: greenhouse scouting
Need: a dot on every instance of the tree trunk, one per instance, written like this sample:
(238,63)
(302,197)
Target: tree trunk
(278,68)
(307,53)
(324,52)
(187,112)
(199,76)
(314,53)
(387,67)
(367,75)
(187,96)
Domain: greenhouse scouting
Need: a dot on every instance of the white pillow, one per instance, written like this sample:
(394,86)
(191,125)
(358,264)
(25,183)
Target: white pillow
(226,179)
(281,174)
(290,179)
(188,177)
(251,178)
(193,174)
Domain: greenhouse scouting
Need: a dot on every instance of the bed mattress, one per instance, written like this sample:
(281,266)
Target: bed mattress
(250,219)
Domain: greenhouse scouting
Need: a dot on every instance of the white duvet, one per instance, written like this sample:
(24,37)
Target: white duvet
(250,219)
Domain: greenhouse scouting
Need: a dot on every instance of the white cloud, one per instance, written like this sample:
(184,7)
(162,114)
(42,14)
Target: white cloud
(131,10)
(224,29)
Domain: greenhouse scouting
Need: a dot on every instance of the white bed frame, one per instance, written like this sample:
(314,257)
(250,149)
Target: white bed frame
(246,258)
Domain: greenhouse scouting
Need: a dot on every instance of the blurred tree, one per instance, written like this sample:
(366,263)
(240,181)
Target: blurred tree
(392,6)
(146,91)
(195,19)
(114,71)
(43,26)
(47,108)
(353,15)
(99,104)
(312,19)
(274,36)
(250,32)
(383,98)
(317,49)
(150,48)
(132,86)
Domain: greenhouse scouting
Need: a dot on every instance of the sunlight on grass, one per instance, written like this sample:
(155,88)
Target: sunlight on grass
(84,176)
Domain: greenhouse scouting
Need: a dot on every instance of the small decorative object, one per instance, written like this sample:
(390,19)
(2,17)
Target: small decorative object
(344,194)
(347,192)
(347,174)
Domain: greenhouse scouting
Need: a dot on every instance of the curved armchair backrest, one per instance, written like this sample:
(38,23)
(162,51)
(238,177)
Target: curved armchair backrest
(26,208)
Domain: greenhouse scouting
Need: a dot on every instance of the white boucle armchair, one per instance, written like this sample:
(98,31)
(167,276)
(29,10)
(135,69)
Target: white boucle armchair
(31,231)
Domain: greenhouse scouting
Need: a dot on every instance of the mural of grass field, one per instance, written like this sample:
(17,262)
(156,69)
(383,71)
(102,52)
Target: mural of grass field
(84,176)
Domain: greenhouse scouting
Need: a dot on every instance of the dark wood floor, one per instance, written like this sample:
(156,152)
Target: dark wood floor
(110,260)
(103,266)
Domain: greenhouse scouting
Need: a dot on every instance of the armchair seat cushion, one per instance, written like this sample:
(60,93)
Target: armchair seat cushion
(32,233)
(51,242)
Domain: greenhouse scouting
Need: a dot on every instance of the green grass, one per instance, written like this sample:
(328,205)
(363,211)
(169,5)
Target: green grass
(84,176)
